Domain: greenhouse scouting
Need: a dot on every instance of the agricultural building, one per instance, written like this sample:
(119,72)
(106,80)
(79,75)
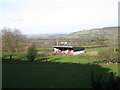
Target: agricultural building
(68,50)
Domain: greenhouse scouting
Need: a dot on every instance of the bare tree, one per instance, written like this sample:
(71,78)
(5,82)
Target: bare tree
(13,42)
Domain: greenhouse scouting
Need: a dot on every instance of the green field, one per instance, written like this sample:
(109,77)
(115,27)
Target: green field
(37,75)
(69,72)
(71,59)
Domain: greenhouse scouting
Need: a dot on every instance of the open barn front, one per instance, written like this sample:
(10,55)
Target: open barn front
(68,50)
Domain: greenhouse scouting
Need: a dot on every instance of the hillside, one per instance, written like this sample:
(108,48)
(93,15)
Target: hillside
(106,32)
(106,36)
(99,36)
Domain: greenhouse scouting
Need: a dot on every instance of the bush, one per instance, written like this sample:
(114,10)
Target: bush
(108,56)
(32,52)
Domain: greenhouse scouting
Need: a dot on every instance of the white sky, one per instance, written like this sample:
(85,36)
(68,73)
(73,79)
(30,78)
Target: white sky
(53,16)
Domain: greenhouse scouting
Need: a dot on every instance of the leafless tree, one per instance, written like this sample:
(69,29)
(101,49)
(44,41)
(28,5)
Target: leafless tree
(13,41)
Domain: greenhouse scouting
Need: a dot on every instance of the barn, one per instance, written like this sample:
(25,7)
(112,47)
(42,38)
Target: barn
(68,50)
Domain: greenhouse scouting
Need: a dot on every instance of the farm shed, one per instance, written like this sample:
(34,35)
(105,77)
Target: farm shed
(68,50)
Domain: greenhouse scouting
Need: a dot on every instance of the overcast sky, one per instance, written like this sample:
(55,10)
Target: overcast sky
(53,16)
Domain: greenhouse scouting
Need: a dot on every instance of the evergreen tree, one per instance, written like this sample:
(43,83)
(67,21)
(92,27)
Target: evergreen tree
(32,52)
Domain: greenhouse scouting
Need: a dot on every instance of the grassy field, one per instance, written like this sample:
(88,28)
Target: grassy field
(97,49)
(70,72)
(42,49)
(71,59)
(37,75)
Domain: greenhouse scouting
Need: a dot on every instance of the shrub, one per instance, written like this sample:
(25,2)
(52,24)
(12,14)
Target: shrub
(108,56)
(32,52)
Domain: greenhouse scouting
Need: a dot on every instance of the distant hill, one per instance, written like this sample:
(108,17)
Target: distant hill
(105,32)
(106,36)
(98,32)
